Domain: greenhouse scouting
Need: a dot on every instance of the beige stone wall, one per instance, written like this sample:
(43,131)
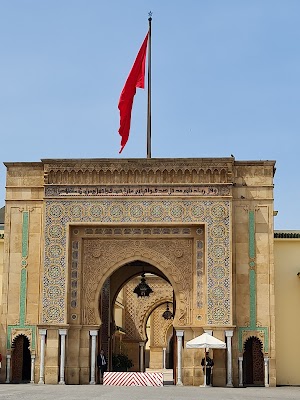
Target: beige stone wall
(287,294)
(188,190)
(1,265)
(192,369)
(1,279)
(24,193)
(253,201)
(3,330)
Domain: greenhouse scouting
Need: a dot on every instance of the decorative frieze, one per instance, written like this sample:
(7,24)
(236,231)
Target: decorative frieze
(53,191)
(136,231)
(138,171)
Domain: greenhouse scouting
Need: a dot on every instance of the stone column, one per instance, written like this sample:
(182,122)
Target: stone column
(32,368)
(62,334)
(266,363)
(8,358)
(93,334)
(141,344)
(179,335)
(229,335)
(164,357)
(241,372)
(42,355)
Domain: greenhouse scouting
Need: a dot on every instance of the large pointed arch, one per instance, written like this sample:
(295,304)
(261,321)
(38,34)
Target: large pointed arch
(173,258)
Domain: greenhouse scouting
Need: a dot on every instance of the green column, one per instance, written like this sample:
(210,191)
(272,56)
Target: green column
(252,272)
(23,283)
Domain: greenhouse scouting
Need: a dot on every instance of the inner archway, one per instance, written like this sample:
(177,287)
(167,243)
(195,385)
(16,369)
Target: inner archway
(124,314)
(160,330)
(169,258)
(109,263)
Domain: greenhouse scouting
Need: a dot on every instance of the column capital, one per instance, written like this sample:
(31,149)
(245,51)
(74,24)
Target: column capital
(43,332)
(266,360)
(141,344)
(229,333)
(240,358)
(63,332)
(8,355)
(179,333)
(93,333)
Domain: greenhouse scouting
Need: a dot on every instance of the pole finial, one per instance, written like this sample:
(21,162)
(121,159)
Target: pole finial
(150,16)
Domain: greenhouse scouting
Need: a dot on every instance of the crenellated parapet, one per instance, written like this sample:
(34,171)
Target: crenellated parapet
(138,171)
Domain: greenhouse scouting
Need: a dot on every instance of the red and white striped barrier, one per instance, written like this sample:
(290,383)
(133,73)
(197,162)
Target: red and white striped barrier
(133,379)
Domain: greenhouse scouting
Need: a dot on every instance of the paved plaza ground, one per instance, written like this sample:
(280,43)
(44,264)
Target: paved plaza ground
(57,392)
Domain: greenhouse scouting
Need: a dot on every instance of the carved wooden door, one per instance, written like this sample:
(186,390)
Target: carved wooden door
(17,360)
(253,363)
(21,360)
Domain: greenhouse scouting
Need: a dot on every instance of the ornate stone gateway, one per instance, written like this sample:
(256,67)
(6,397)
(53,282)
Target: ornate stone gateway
(130,243)
(185,218)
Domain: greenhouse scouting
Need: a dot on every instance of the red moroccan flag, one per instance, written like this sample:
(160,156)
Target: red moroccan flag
(136,79)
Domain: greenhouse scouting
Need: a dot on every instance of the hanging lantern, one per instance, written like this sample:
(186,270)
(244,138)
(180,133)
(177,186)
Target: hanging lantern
(143,289)
(168,314)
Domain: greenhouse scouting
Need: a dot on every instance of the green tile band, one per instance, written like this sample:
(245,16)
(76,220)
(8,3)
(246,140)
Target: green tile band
(25,234)
(252,273)
(23,296)
(23,283)
(252,290)
(252,283)
(23,287)
(251,235)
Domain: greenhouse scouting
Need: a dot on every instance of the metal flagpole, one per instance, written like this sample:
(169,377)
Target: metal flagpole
(149,90)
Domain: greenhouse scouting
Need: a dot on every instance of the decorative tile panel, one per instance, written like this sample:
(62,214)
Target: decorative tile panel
(199,272)
(74,279)
(215,214)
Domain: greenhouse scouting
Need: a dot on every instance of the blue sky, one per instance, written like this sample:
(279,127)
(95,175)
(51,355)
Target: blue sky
(225,80)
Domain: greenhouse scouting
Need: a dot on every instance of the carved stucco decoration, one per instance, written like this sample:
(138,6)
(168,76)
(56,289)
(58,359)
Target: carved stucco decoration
(137,310)
(173,257)
(15,333)
(161,327)
(151,171)
(260,334)
(215,214)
